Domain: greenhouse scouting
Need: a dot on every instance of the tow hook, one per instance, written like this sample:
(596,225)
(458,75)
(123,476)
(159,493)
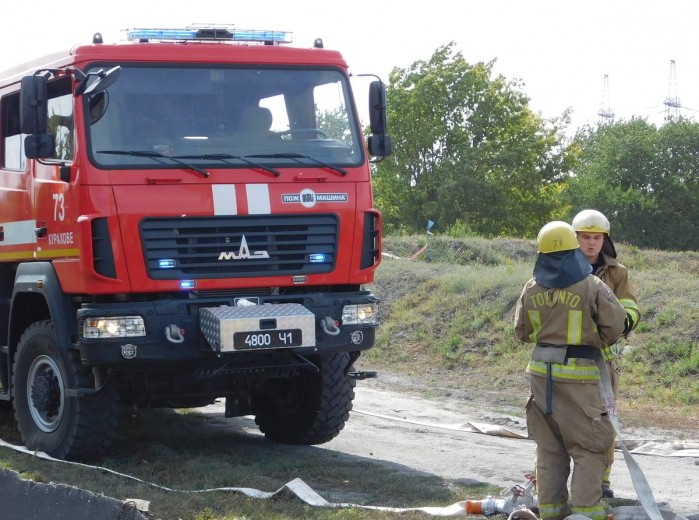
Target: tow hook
(362,375)
(329,326)
(174,334)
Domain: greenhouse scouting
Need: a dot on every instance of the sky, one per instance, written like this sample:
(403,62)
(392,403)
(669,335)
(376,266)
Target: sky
(560,50)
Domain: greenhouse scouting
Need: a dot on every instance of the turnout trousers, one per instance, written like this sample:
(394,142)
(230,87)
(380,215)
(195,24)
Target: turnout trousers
(614,377)
(577,430)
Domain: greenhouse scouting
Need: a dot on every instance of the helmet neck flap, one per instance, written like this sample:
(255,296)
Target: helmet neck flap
(561,269)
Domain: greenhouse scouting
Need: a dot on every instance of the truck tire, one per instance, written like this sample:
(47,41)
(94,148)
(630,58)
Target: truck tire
(310,408)
(65,427)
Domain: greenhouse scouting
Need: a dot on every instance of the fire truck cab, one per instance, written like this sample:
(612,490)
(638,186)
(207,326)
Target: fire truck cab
(184,216)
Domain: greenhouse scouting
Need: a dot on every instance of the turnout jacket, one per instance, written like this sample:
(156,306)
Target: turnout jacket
(616,276)
(586,313)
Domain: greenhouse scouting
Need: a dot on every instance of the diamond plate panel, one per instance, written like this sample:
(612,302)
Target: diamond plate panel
(218,324)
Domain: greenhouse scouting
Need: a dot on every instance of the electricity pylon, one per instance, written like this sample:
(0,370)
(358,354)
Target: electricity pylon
(605,112)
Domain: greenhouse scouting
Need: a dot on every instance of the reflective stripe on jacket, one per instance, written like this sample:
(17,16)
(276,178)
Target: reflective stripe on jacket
(574,370)
(585,313)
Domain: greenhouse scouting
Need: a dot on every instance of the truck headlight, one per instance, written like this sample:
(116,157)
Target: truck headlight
(114,327)
(362,314)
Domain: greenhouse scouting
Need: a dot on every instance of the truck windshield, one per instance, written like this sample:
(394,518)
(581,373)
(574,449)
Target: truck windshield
(199,115)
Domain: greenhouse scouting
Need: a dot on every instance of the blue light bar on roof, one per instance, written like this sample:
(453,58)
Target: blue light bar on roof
(209,33)
(261,36)
(160,34)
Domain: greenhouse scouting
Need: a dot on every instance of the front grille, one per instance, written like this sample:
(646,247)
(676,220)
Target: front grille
(235,247)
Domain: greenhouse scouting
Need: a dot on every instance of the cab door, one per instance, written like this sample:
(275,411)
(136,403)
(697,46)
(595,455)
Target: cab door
(55,209)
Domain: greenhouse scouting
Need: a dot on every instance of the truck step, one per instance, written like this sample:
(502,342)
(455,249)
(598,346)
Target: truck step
(362,375)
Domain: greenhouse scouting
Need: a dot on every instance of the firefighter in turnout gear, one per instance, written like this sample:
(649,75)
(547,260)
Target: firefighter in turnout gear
(593,231)
(570,315)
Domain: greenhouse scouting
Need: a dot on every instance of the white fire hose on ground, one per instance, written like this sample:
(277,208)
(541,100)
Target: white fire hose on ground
(517,507)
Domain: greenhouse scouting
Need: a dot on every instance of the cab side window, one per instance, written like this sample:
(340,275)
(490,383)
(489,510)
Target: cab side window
(12,151)
(60,119)
(60,112)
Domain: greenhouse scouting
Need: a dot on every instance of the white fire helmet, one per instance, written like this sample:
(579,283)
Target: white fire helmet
(591,221)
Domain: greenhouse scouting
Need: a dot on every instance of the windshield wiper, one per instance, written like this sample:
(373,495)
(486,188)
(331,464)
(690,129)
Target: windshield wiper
(156,155)
(297,157)
(226,157)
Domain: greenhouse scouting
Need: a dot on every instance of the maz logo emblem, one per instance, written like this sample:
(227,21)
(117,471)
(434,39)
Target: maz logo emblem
(243,253)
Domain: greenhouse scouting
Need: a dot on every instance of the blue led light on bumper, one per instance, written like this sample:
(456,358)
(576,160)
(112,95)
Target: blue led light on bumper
(187,284)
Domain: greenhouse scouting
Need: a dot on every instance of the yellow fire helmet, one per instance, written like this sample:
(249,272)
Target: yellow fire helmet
(591,221)
(556,236)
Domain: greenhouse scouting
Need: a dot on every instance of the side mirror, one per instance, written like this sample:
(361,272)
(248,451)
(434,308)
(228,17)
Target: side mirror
(33,117)
(97,105)
(33,105)
(377,107)
(99,81)
(380,145)
(37,146)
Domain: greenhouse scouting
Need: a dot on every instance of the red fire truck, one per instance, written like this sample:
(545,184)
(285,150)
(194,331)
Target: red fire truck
(185,215)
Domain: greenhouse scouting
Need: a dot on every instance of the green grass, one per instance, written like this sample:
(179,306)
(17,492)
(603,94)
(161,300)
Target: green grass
(451,309)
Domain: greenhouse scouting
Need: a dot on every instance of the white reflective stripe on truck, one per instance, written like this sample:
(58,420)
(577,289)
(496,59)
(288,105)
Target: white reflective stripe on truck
(20,232)
(257,197)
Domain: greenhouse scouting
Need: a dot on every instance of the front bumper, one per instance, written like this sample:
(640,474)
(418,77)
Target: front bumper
(174,332)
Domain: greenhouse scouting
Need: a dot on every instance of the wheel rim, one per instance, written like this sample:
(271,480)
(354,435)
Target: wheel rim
(45,393)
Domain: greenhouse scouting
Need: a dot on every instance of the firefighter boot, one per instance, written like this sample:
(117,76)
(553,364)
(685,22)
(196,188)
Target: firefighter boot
(607,492)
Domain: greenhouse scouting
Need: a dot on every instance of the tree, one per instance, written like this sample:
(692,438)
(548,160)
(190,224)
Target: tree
(643,178)
(334,124)
(468,151)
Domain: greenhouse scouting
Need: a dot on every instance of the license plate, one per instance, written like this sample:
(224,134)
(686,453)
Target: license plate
(267,339)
